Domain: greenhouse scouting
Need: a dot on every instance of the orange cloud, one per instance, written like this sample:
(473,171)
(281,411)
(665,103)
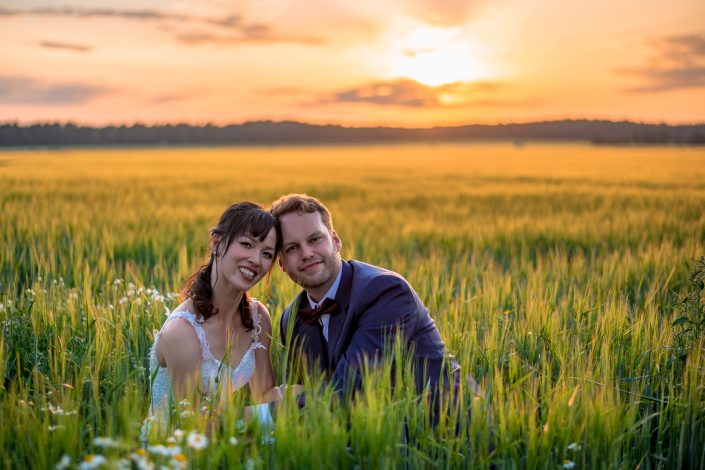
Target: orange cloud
(231,29)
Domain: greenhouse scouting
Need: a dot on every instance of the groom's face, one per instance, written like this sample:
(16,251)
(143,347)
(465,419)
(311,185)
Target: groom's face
(310,252)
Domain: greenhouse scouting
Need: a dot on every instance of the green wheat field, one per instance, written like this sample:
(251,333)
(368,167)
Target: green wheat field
(563,277)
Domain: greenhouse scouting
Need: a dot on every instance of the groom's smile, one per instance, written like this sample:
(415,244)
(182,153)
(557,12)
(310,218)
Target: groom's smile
(309,252)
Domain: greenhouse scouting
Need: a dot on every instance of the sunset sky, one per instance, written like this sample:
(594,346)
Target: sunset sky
(385,62)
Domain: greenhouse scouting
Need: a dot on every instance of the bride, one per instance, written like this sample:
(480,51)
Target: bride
(219,337)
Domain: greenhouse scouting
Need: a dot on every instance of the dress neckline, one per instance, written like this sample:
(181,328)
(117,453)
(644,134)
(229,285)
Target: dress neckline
(205,345)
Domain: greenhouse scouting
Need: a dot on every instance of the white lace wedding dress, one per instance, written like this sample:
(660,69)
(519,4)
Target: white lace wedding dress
(213,372)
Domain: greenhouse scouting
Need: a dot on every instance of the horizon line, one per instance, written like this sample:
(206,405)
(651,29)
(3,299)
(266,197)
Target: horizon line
(128,124)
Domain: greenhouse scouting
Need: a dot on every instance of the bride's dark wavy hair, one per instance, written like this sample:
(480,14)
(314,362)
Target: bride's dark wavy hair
(242,218)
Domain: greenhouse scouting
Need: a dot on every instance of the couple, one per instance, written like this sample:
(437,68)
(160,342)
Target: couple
(220,337)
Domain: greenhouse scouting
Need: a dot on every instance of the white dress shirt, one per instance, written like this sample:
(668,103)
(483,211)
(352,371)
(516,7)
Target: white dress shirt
(325,318)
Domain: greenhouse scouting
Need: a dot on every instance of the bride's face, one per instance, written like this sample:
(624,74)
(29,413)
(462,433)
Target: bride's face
(247,260)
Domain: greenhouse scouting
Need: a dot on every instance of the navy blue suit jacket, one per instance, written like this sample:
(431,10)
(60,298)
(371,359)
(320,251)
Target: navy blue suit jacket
(374,303)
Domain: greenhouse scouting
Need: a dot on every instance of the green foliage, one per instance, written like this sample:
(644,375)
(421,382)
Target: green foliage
(546,269)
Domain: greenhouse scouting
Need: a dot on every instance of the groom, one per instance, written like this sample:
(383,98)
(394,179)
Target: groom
(348,310)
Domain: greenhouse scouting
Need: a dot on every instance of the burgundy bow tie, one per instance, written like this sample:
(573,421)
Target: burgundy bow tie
(311,315)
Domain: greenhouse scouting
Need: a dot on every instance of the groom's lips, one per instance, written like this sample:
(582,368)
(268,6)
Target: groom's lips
(310,266)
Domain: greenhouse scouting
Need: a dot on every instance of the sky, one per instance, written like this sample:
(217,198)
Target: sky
(407,63)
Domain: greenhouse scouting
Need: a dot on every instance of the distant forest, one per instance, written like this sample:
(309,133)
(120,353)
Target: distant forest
(269,133)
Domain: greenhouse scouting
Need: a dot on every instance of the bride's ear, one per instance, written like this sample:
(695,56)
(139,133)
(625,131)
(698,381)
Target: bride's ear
(215,241)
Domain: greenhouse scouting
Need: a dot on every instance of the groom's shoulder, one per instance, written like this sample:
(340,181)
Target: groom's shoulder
(366,275)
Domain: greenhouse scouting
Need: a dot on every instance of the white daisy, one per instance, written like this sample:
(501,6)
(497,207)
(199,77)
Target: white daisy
(197,441)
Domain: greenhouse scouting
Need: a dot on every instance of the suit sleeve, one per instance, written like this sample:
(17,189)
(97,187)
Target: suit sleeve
(392,309)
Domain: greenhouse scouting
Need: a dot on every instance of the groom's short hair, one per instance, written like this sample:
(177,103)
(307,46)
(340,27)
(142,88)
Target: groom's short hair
(301,203)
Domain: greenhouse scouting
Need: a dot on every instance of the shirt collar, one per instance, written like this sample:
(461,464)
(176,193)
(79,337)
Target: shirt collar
(331,292)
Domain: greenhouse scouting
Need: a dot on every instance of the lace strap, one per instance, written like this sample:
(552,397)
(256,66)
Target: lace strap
(191,318)
(257,323)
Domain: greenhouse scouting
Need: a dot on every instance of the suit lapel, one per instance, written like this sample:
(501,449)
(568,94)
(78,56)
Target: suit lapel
(336,322)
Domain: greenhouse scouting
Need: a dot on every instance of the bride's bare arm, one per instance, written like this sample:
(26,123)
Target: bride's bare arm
(179,350)
(262,384)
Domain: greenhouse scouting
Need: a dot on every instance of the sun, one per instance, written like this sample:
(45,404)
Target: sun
(435,56)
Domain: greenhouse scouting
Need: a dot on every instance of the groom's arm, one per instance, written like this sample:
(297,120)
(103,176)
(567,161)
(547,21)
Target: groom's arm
(392,311)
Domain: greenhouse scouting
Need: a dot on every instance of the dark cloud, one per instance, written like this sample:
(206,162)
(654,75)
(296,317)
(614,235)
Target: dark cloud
(66,46)
(233,29)
(412,94)
(678,62)
(21,90)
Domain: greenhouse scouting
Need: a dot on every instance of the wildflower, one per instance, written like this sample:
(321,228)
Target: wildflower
(574,446)
(63,463)
(21,403)
(123,464)
(568,464)
(179,434)
(197,441)
(164,451)
(166,311)
(54,411)
(179,461)
(233,441)
(91,461)
(158,298)
(139,459)
(105,442)
(123,300)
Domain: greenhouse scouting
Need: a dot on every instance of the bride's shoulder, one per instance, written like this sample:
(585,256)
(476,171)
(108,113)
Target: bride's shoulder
(261,315)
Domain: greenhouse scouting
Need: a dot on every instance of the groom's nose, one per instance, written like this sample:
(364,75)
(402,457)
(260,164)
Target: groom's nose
(306,251)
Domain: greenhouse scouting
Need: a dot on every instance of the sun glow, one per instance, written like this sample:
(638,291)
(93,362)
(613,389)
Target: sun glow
(436,56)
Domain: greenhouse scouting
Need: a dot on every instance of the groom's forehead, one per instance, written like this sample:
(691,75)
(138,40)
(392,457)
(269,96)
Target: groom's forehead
(300,224)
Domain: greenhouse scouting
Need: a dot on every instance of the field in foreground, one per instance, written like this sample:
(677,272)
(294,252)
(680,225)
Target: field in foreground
(552,273)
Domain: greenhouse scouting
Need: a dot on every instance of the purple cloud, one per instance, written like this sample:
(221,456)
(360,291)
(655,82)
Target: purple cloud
(22,90)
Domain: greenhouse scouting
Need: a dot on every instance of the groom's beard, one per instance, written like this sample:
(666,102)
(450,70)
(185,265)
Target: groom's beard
(326,274)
